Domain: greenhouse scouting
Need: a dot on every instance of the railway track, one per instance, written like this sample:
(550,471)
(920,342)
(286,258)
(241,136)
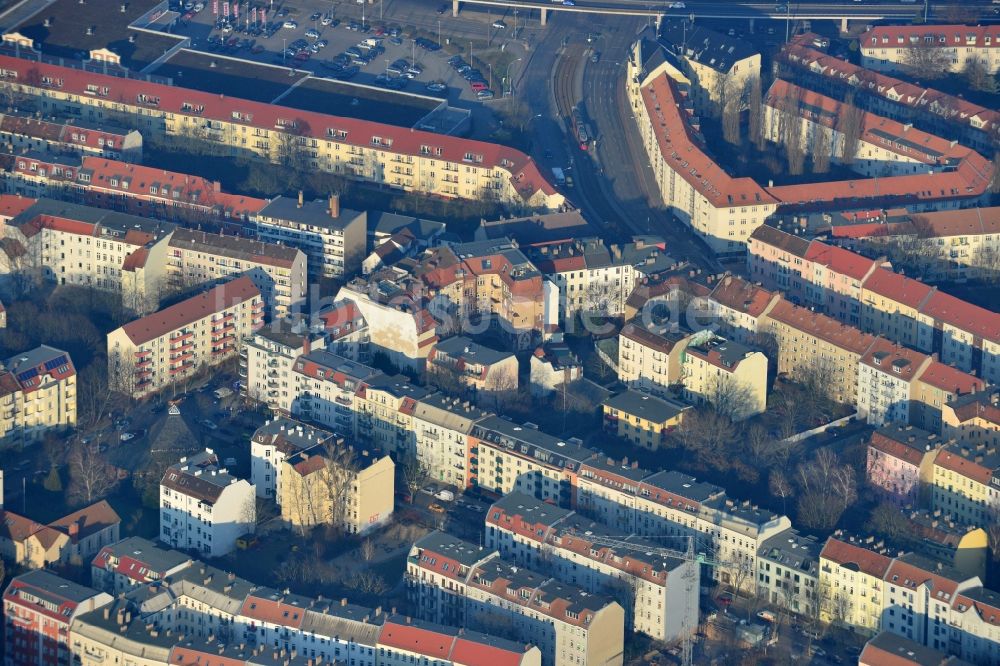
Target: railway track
(588,193)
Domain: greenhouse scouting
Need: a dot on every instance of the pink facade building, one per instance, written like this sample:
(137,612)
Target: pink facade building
(900,459)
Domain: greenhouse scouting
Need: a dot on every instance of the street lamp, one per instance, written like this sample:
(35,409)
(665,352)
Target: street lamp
(507,78)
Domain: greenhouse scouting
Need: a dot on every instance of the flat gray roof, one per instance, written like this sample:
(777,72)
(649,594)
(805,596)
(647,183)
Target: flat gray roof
(313,213)
(646,406)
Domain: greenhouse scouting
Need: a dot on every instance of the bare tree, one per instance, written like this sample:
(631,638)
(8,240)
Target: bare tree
(779,486)
(708,435)
(926,60)
(413,471)
(732,399)
(368,549)
(826,489)
(790,130)
(821,148)
(978,76)
(732,99)
(850,124)
(891,523)
(91,477)
(755,113)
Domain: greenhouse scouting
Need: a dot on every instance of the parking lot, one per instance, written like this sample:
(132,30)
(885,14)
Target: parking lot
(332,43)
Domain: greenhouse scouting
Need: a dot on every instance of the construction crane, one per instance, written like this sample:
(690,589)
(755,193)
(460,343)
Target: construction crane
(687,555)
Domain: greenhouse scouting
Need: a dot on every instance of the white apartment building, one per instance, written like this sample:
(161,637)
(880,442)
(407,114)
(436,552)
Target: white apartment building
(885,378)
(267,358)
(279,272)
(132,562)
(323,387)
(172,344)
(384,406)
(730,376)
(521,457)
(721,209)
(397,327)
(24,131)
(888,48)
(852,582)
(788,572)
(441,428)
(203,507)
(405,159)
(37,395)
(453,580)
(272,444)
(67,243)
(663,589)
(650,361)
(333,239)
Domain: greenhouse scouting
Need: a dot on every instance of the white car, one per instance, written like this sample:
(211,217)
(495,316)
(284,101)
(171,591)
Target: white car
(198,7)
(126,436)
(677,5)
(291,25)
(499,25)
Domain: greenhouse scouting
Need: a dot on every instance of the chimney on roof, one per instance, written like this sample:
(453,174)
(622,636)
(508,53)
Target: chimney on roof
(335,205)
(300,199)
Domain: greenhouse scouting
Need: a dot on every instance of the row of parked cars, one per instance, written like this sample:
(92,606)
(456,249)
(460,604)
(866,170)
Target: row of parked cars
(475,78)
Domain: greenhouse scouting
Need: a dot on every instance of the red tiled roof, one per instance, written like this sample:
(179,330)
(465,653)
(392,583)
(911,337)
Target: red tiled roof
(197,307)
(887,353)
(963,315)
(846,554)
(89,520)
(821,326)
(525,174)
(416,639)
(900,572)
(899,36)
(273,612)
(738,294)
(950,458)
(899,288)
(683,150)
(474,653)
(950,379)
(840,260)
(896,449)
(12,205)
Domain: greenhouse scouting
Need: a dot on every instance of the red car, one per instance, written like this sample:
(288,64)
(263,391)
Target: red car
(478,85)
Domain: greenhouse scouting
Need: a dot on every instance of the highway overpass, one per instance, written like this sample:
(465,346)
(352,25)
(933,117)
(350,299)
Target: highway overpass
(843,11)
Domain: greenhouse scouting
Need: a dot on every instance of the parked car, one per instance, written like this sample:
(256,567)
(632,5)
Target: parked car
(315,16)
(326,20)
(499,25)
(478,86)
(436,86)
(485,94)
(312,34)
(436,508)
(210,424)
(291,25)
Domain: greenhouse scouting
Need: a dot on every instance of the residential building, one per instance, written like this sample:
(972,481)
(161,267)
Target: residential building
(417,161)
(322,390)
(347,332)
(721,209)
(889,648)
(739,307)
(965,482)
(279,272)
(68,243)
(129,188)
(885,376)
(918,597)
(441,428)
(731,377)
(550,227)
(788,572)
(203,507)
(642,419)
(511,456)
(332,238)
(975,634)
(37,395)
(133,562)
(885,148)
(473,365)
(70,540)
(172,344)
(851,582)
(973,419)
(22,132)
(664,589)
(595,279)
(717,65)
(267,358)
(900,463)
(962,334)
(397,326)
(383,407)
(890,48)
(116,633)
(877,92)
(336,484)
(273,443)
(397,237)
(938,386)
(402,642)
(567,624)
(38,609)
(552,366)
(938,536)
(650,361)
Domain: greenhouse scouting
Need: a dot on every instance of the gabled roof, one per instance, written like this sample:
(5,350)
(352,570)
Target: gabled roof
(901,289)
(856,556)
(88,520)
(221,297)
(737,294)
